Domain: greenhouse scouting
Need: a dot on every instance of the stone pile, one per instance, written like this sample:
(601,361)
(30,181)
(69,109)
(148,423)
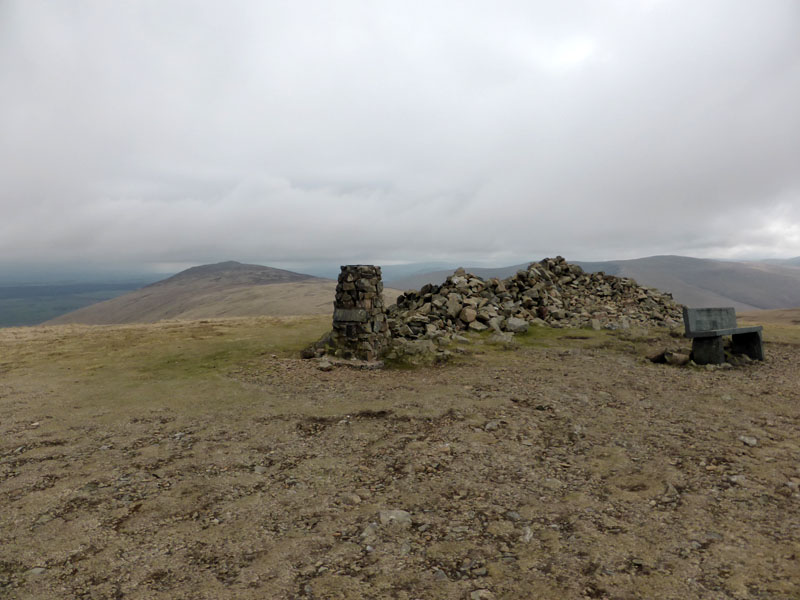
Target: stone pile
(360,327)
(551,292)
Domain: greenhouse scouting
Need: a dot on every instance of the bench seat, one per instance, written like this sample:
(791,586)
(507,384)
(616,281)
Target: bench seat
(719,332)
(707,326)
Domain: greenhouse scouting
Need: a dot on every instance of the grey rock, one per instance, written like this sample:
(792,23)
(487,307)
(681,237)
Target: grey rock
(453,305)
(370,533)
(502,337)
(468,314)
(748,440)
(516,325)
(676,359)
(400,518)
(350,498)
(495,323)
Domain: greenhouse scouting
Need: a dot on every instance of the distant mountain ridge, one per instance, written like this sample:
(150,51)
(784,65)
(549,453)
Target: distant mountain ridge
(691,281)
(704,282)
(234,289)
(789,262)
(223,289)
(234,273)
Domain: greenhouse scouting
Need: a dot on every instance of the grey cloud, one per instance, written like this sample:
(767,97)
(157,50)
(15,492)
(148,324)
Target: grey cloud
(313,131)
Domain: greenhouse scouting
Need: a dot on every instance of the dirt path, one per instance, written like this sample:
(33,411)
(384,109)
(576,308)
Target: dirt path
(571,471)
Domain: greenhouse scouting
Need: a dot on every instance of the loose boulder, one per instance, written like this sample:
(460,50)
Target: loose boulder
(516,325)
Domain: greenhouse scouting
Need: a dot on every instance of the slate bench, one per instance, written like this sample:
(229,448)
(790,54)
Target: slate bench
(707,326)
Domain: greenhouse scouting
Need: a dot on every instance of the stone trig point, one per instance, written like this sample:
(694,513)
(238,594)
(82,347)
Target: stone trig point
(360,329)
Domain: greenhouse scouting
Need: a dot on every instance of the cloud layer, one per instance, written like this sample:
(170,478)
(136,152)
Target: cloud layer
(292,132)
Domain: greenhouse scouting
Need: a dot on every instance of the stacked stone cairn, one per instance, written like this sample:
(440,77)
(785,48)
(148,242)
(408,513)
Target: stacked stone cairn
(360,328)
(551,292)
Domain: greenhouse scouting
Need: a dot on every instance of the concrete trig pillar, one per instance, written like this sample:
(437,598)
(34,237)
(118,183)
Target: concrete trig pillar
(360,329)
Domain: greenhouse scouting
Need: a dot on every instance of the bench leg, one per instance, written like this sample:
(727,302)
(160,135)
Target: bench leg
(749,344)
(708,351)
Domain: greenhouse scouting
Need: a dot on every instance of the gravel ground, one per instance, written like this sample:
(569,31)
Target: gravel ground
(573,469)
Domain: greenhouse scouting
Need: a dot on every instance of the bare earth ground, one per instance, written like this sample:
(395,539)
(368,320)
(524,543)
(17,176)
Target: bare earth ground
(202,460)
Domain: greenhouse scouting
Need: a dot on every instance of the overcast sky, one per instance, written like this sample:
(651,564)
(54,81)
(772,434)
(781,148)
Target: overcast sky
(295,132)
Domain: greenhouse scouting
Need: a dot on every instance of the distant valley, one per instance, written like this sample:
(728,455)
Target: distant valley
(32,304)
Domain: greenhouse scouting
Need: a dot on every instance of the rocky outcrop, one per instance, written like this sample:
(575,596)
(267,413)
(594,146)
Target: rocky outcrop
(551,292)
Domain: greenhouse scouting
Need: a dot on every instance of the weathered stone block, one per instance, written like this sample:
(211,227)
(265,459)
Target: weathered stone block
(749,343)
(708,319)
(708,351)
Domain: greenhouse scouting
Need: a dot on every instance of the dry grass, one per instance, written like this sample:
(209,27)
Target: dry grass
(780,325)
(180,365)
(781,316)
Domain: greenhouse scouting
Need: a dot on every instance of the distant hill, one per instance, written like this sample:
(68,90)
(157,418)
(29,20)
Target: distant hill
(788,262)
(703,282)
(227,289)
(692,281)
(231,273)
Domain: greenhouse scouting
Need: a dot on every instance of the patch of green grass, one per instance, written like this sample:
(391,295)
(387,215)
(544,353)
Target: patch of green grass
(548,337)
(182,366)
(636,341)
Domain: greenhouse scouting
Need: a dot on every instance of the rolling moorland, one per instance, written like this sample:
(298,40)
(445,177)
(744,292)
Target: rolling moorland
(205,459)
(694,282)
